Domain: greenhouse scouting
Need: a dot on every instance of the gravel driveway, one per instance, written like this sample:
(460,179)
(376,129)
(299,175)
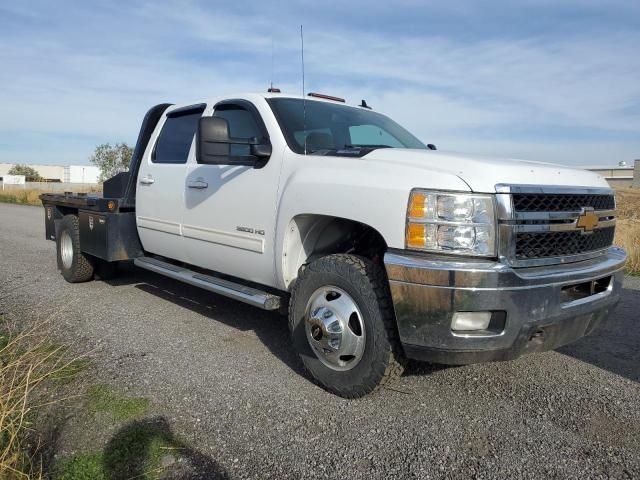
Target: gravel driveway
(226,379)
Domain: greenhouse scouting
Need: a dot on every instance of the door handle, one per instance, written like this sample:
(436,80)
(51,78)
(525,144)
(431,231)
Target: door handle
(146,181)
(199,184)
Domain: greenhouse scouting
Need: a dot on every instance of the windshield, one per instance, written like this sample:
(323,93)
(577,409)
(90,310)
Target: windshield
(331,129)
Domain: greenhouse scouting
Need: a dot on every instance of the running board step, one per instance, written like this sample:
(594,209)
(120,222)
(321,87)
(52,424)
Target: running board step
(252,296)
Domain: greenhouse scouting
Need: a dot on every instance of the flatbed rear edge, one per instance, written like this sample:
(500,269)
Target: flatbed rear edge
(107,222)
(109,236)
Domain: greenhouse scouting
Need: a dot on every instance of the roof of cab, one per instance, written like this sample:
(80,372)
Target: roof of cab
(265,95)
(308,97)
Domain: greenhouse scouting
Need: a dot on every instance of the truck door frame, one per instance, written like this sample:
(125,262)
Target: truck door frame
(160,201)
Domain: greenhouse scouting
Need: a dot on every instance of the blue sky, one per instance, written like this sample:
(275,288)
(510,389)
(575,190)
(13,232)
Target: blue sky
(547,80)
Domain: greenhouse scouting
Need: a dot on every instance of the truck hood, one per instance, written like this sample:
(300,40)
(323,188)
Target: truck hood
(483,173)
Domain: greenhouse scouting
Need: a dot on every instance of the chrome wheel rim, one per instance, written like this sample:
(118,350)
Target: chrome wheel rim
(335,328)
(66,249)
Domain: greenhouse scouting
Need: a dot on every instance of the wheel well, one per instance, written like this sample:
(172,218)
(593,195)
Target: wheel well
(312,236)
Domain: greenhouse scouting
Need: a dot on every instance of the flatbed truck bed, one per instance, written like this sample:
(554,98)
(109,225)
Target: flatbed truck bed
(93,202)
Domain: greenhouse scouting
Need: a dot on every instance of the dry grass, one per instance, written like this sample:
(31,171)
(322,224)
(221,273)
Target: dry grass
(29,368)
(23,197)
(29,196)
(628,227)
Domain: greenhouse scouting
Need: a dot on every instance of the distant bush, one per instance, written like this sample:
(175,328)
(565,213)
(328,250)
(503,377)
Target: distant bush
(111,160)
(30,173)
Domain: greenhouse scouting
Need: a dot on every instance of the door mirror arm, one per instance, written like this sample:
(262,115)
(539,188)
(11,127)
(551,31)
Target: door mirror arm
(261,150)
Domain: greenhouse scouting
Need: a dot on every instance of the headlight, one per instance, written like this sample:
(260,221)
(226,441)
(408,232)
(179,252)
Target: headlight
(459,223)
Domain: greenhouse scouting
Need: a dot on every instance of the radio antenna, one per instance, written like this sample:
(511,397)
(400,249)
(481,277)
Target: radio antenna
(271,62)
(304,98)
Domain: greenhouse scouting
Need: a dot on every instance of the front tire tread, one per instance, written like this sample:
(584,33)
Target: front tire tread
(375,290)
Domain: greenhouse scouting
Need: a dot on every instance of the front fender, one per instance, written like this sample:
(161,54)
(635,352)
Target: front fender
(352,189)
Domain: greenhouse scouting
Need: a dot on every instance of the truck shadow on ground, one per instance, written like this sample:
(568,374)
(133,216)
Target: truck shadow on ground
(271,328)
(615,345)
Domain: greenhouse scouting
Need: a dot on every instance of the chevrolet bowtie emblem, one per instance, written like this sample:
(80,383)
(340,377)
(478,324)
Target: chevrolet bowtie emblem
(588,220)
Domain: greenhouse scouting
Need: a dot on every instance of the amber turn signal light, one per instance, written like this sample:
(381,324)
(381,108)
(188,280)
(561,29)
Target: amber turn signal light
(417,205)
(416,235)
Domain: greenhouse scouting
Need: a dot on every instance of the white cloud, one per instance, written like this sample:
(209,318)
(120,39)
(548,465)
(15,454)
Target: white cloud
(579,82)
(90,77)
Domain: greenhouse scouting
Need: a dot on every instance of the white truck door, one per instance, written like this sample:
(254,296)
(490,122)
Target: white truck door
(229,220)
(160,201)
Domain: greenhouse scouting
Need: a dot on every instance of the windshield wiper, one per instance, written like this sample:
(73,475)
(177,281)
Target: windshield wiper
(349,150)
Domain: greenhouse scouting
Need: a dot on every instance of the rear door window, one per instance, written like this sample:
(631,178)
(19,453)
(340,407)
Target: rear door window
(176,137)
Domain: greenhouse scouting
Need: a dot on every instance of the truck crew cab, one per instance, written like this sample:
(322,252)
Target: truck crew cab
(381,248)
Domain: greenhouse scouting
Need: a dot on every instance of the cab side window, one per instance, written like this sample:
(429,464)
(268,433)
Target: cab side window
(242,124)
(177,134)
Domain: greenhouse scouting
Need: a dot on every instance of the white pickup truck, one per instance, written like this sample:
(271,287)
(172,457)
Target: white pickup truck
(381,248)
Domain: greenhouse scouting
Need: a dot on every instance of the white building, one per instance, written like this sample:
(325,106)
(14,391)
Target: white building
(618,176)
(13,180)
(81,174)
(61,173)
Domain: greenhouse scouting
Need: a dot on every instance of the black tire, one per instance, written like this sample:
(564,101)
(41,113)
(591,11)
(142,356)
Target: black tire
(81,266)
(105,270)
(382,360)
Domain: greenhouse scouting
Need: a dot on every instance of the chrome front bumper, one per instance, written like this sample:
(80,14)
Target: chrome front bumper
(536,309)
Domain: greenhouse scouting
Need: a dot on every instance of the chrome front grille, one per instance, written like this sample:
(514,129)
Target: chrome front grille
(540,202)
(547,225)
(554,244)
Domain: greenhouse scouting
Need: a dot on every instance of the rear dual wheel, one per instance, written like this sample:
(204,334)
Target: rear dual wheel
(343,327)
(75,265)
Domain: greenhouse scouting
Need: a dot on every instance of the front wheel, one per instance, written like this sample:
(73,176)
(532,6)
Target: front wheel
(343,327)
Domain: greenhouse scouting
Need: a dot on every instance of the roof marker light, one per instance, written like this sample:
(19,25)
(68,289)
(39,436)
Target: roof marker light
(326,97)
